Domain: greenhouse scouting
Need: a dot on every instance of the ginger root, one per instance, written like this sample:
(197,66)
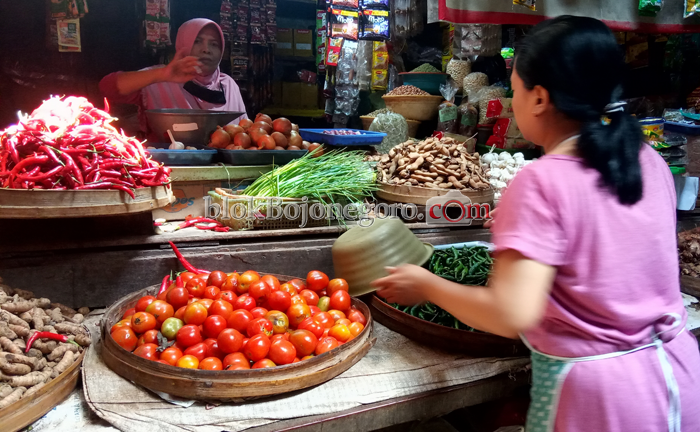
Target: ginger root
(5,390)
(81,339)
(6,331)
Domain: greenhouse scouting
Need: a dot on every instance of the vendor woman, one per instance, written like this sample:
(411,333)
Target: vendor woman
(192,80)
(586,268)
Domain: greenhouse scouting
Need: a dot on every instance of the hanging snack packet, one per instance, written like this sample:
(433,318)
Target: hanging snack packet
(380,79)
(692,7)
(375,24)
(530,4)
(344,24)
(352,4)
(650,8)
(375,3)
(333,51)
(447,111)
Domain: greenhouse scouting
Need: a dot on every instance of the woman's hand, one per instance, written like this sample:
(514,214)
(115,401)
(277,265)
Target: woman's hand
(489,223)
(182,68)
(405,285)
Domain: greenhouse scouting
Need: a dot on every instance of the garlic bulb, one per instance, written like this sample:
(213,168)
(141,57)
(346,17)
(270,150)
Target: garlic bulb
(506,176)
(488,158)
(512,169)
(505,156)
(497,196)
(493,182)
(176,146)
(501,184)
(519,155)
(495,173)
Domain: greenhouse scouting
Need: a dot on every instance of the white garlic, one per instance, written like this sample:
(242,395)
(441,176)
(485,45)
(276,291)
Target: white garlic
(505,156)
(501,184)
(176,146)
(497,196)
(488,158)
(493,182)
(495,173)
(519,155)
(512,169)
(506,176)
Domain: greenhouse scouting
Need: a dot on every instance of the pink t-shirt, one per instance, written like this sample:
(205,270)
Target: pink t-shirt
(617,265)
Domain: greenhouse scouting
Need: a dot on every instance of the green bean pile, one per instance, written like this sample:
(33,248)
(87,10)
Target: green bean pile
(469,266)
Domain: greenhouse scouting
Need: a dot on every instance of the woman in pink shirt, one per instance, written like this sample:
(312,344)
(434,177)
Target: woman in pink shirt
(191,80)
(586,268)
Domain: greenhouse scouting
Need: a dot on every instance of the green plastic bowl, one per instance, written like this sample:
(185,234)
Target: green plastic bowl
(426,81)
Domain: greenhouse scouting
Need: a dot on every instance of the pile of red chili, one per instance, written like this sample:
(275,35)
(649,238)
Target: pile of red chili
(67,143)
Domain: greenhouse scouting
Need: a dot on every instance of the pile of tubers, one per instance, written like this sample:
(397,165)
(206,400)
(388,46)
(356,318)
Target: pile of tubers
(432,163)
(21,315)
(689,252)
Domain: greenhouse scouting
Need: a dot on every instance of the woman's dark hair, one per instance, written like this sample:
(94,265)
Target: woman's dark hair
(577,60)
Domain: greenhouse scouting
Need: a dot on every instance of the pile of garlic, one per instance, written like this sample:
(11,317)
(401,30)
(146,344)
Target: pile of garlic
(500,169)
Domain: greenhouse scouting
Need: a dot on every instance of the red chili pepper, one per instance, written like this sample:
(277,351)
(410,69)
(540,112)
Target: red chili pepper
(222,229)
(106,185)
(72,167)
(185,263)
(206,227)
(29,161)
(196,220)
(46,335)
(164,285)
(39,177)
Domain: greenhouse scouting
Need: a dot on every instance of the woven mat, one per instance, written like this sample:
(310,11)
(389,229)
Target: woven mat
(394,367)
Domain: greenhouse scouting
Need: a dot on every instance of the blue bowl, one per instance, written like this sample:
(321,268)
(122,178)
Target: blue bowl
(426,81)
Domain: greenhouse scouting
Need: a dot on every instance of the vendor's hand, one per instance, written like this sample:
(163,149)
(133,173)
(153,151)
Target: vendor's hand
(489,223)
(182,68)
(405,285)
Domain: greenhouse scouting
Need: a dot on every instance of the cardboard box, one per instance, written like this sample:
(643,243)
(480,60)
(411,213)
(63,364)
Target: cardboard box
(189,200)
(291,93)
(303,43)
(285,41)
(309,96)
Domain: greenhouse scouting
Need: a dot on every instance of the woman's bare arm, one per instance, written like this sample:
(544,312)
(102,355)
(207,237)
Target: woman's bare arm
(181,69)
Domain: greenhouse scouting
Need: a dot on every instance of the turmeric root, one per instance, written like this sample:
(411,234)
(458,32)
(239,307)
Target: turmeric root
(26,316)
(18,307)
(78,318)
(37,319)
(30,379)
(14,368)
(12,318)
(5,390)
(21,344)
(65,310)
(9,346)
(16,358)
(61,350)
(55,315)
(45,347)
(33,390)
(12,397)
(81,339)
(27,295)
(64,364)
(35,353)
(19,330)
(84,310)
(6,331)
(74,329)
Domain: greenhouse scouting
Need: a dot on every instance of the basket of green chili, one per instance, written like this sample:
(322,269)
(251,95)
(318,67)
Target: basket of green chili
(465,263)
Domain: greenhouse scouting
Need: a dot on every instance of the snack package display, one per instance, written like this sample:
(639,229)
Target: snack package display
(352,4)
(507,127)
(458,70)
(364,65)
(650,8)
(333,51)
(448,114)
(653,130)
(692,7)
(530,4)
(375,24)
(375,3)
(344,23)
(500,108)
(380,66)
(347,91)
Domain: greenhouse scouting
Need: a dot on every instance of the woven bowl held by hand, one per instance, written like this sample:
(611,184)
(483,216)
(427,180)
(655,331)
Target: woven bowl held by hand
(361,254)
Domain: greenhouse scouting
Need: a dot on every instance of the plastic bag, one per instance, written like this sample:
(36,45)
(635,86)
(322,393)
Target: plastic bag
(468,118)
(530,4)
(394,126)
(448,114)
(482,98)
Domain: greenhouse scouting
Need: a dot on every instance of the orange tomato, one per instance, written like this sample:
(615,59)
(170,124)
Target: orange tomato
(142,322)
(211,292)
(325,319)
(125,338)
(246,280)
(186,276)
(217,278)
(336,314)
(289,289)
(171,355)
(325,344)
(196,287)
(298,313)
(143,303)
(297,299)
(298,284)
(343,321)
(128,313)
(188,362)
(195,314)
(340,300)
(126,322)
(280,321)
(356,316)
(231,283)
(160,309)
(341,332)
(272,282)
(228,296)
(221,308)
(211,363)
(206,302)
(264,363)
(236,361)
(180,313)
(356,328)
(150,336)
(337,285)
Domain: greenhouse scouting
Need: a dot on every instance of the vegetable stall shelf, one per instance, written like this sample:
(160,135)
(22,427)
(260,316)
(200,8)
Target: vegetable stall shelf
(234,385)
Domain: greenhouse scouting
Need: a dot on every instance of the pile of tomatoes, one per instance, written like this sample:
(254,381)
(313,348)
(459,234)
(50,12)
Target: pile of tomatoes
(221,321)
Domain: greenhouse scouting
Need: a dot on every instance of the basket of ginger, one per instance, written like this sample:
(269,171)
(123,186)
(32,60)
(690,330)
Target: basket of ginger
(42,345)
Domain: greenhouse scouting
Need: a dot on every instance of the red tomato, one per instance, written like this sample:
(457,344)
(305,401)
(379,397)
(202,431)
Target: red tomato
(244,302)
(199,350)
(142,322)
(161,310)
(279,300)
(180,313)
(214,325)
(206,302)
(340,332)
(298,284)
(259,291)
(188,362)
(282,352)
(213,348)
(310,297)
(298,313)
(245,342)
(171,355)
(186,276)
(279,337)
(193,300)
(356,328)
(336,314)
(228,296)
(272,282)
(246,280)
(289,289)
(304,341)
(147,351)
(150,336)
(257,347)
(357,317)
(316,280)
(123,323)
(195,314)
(143,303)
(211,292)
(280,321)
(325,333)
(259,326)
(188,335)
(235,361)
(323,293)
(231,283)
(178,297)
(125,338)
(314,310)
(297,299)
(337,285)
(259,312)
(313,326)
(211,363)
(216,278)
(343,321)
(308,357)
(326,344)
(162,362)
(325,319)
(196,287)
(128,313)
(340,300)
(264,363)
(239,320)
(221,308)
(230,341)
